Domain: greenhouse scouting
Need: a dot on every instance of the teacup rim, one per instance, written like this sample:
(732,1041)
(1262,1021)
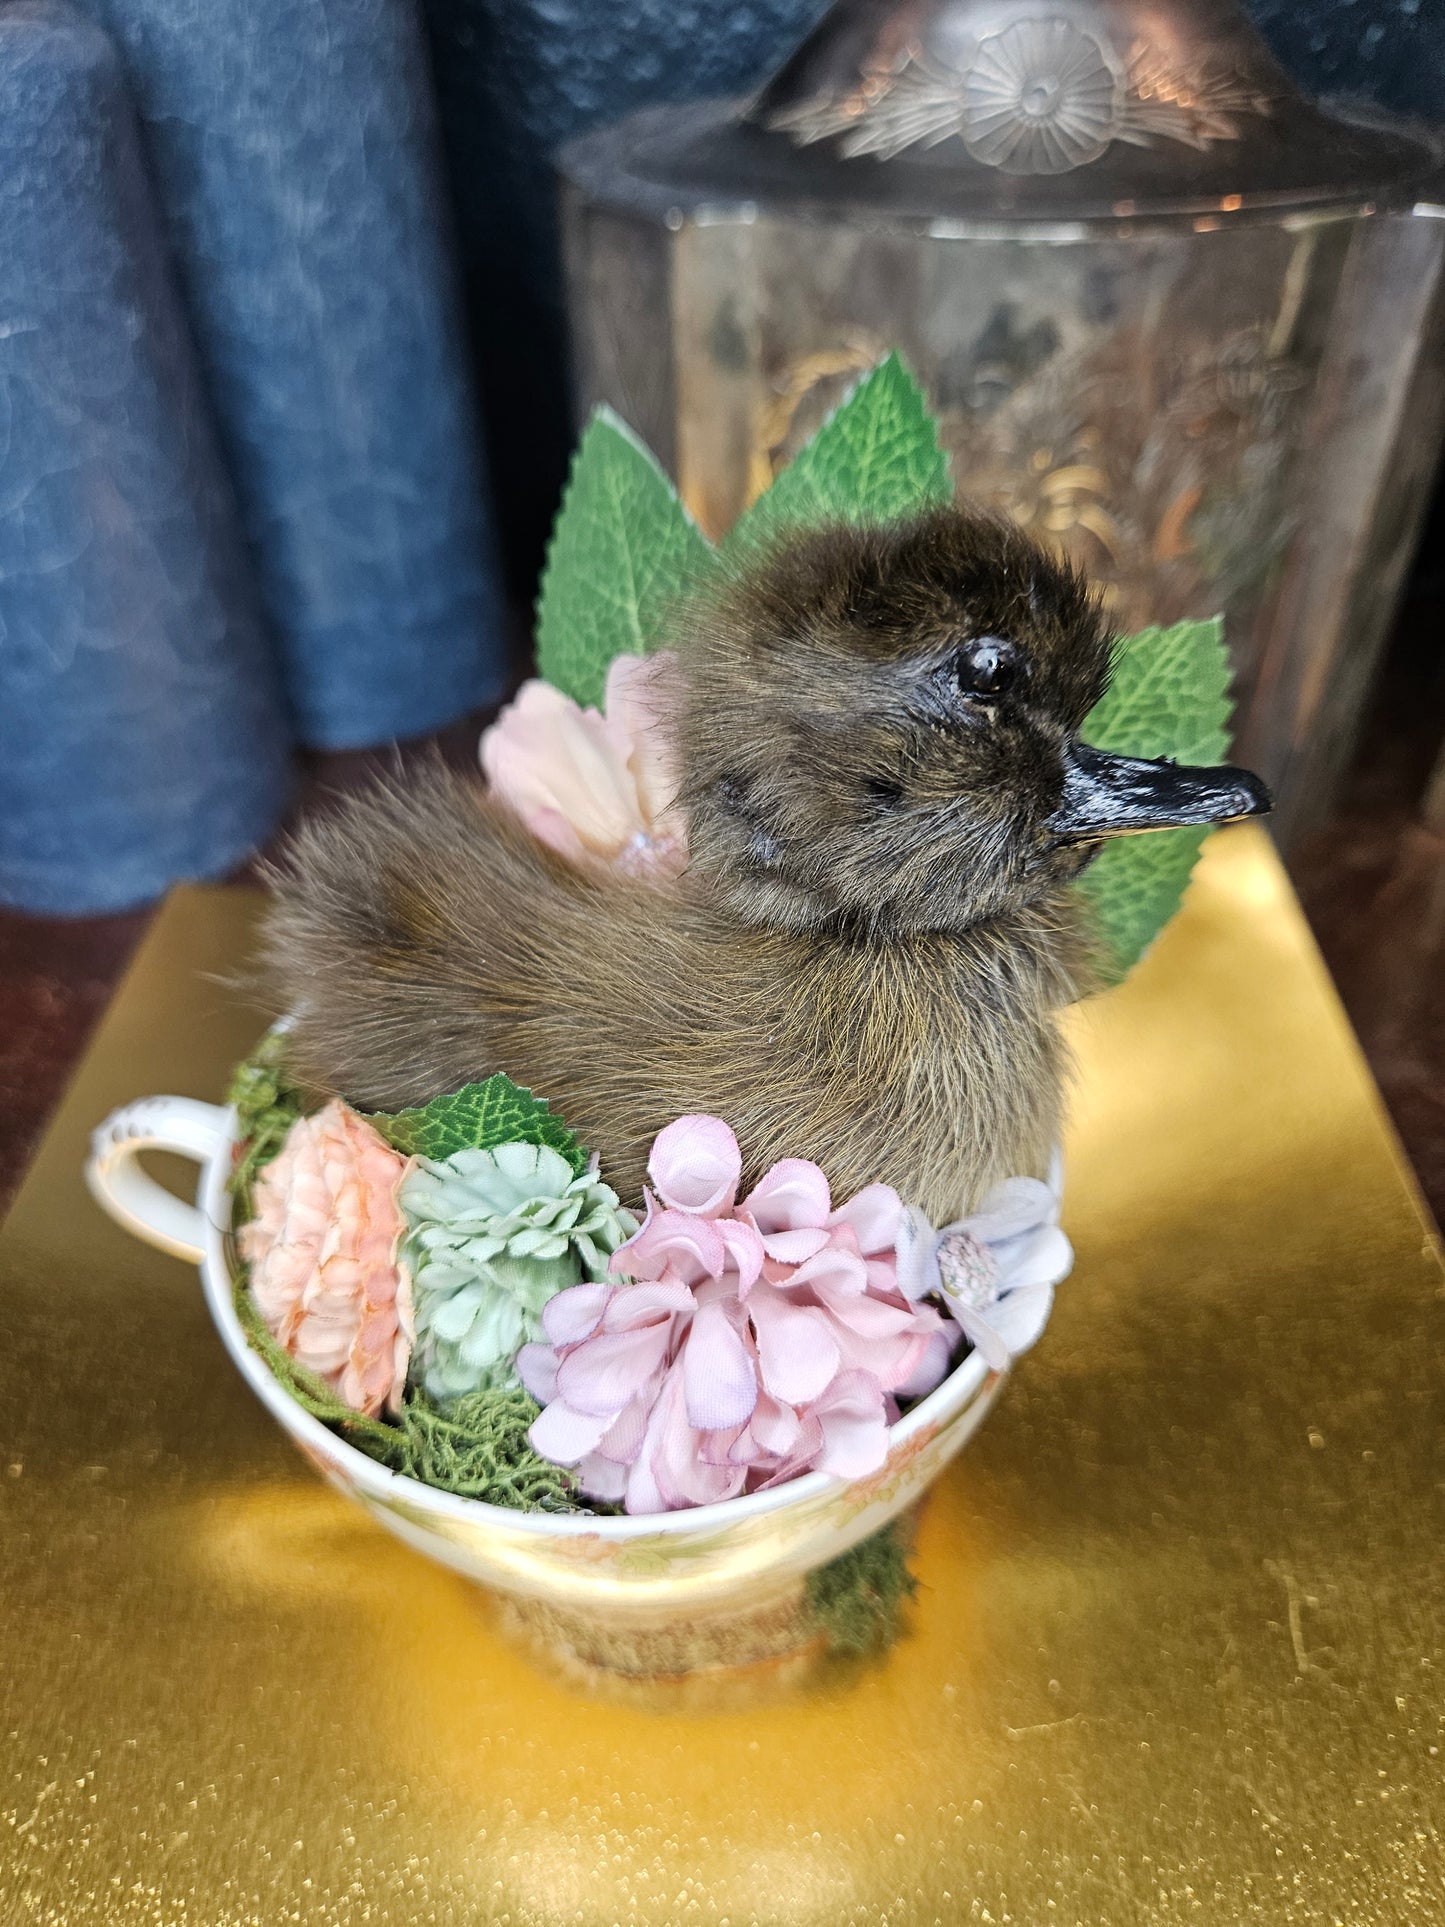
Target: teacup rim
(945,1402)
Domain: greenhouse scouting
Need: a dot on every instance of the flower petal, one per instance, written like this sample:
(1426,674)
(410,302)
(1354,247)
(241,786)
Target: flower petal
(537,1369)
(719,1378)
(649,1303)
(601,1478)
(1020,1317)
(796,1349)
(795,1247)
(745,1251)
(802,1454)
(695,1165)
(917,1249)
(679,1242)
(622,1441)
(883,1279)
(602,1375)
(635,702)
(1041,1257)
(855,1426)
(886,1340)
(642,1493)
(774,1426)
(981,1334)
(874,1215)
(546,755)
(834,1269)
(931,1370)
(571,1315)
(564,1435)
(717,1448)
(680,1476)
(789,1197)
(1018,1204)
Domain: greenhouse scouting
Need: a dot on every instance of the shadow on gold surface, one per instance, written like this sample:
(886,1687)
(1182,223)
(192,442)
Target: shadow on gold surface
(1176,1654)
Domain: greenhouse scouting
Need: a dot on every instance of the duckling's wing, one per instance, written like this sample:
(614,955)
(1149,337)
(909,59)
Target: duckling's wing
(410,929)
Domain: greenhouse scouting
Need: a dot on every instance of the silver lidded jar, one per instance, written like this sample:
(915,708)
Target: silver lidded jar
(1176,319)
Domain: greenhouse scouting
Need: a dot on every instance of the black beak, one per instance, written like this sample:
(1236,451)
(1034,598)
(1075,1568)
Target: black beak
(1106,795)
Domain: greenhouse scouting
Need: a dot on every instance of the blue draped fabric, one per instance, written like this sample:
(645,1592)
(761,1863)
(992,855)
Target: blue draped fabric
(294,150)
(241,501)
(143,733)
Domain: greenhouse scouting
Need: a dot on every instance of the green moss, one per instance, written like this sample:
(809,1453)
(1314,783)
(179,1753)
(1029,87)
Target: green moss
(267,1104)
(478,1448)
(857,1601)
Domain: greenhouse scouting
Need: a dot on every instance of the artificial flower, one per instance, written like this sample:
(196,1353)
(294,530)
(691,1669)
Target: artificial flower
(593,786)
(760,1339)
(495,1234)
(322,1248)
(994,1271)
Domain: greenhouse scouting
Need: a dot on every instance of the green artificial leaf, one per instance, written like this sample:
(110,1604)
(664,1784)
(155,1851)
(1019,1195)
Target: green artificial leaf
(1169,697)
(1135,885)
(623,548)
(875,458)
(477,1117)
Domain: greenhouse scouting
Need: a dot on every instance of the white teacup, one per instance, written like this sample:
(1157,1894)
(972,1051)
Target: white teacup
(657,1594)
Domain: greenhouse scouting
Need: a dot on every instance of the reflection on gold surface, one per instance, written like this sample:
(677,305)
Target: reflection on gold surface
(1153,461)
(1176,1655)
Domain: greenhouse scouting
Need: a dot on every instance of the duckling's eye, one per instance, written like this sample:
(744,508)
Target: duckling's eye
(986,667)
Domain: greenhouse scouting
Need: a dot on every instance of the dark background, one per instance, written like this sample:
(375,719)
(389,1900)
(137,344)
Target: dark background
(516,78)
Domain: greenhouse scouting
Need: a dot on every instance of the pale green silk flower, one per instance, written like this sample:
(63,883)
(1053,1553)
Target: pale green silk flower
(492,1236)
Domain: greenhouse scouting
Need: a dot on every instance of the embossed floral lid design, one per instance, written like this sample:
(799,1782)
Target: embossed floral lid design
(1027,110)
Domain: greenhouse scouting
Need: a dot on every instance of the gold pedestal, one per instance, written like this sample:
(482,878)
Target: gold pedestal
(1178,1646)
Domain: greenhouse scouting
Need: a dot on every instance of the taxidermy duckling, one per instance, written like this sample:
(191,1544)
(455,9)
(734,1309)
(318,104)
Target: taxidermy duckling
(886,800)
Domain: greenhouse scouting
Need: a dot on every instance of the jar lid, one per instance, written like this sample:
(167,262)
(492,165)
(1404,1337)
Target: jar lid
(1023,111)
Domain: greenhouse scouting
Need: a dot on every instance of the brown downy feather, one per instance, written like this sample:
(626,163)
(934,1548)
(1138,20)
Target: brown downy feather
(864,963)
(430,941)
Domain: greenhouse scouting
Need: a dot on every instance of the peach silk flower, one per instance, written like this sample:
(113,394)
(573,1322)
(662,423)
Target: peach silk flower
(322,1248)
(594,787)
(761,1340)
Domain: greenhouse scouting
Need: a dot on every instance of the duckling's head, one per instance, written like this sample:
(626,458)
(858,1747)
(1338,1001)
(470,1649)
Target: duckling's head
(880,730)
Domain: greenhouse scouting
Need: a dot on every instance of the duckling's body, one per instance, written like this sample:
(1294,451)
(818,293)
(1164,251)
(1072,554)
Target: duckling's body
(886,803)
(443,943)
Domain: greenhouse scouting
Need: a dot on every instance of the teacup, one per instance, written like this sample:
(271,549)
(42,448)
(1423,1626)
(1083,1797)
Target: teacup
(664,1594)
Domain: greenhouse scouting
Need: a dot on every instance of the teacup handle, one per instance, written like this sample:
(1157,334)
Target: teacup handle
(132,1197)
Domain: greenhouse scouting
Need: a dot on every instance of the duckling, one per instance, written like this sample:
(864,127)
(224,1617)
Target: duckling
(864,964)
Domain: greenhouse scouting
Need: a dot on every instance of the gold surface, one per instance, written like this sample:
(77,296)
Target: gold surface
(1178,1650)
